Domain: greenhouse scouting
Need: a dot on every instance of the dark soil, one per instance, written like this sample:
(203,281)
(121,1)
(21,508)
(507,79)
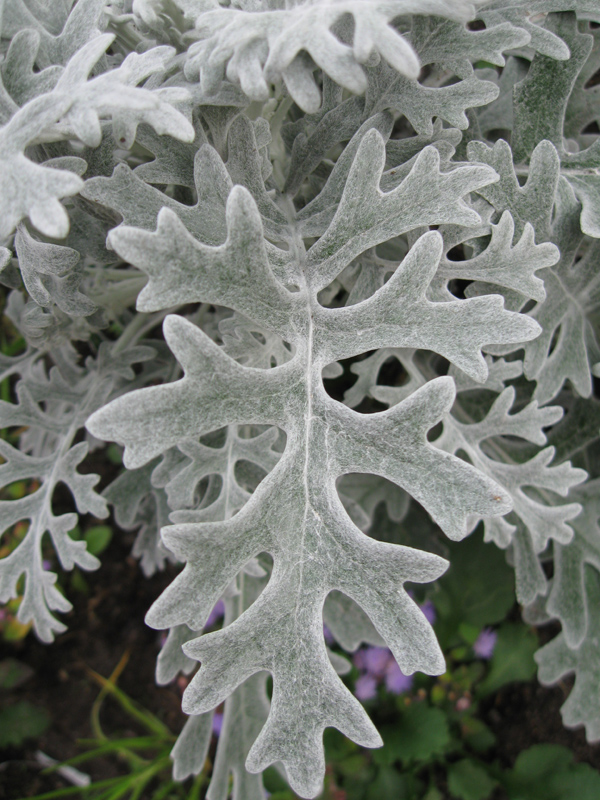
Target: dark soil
(103,626)
(108,622)
(524,714)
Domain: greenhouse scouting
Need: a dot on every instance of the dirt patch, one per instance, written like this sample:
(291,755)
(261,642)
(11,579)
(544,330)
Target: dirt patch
(103,626)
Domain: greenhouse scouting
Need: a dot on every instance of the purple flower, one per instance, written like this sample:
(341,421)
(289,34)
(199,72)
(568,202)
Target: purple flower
(365,688)
(217,723)
(47,565)
(328,635)
(376,661)
(463,703)
(485,643)
(216,614)
(378,665)
(358,659)
(396,681)
(429,610)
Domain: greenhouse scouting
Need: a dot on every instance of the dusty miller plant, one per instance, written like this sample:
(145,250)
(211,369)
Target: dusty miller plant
(302,193)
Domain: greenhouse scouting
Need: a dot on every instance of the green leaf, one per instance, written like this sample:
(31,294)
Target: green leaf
(512,659)
(537,763)
(355,766)
(477,590)
(273,781)
(98,538)
(420,734)
(337,746)
(114,454)
(13,673)
(78,582)
(389,783)
(15,631)
(547,772)
(20,722)
(75,533)
(468,633)
(477,735)
(469,781)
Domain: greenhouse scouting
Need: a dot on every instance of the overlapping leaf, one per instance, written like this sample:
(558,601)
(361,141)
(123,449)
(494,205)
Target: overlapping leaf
(539,517)
(52,273)
(61,32)
(536,121)
(73,109)
(568,600)
(568,347)
(531,16)
(53,408)
(421,104)
(295,513)
(27,188)
(529,475)
(286,297)
(254,49)
(557,660)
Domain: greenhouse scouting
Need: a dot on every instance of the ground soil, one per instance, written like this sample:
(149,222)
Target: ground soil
(108,622)
(103,626)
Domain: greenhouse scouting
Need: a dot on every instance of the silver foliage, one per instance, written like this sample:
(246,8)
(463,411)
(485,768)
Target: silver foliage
(296,194)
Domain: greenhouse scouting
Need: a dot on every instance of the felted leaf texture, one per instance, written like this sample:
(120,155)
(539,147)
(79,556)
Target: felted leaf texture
(582,108)
(52,273)
(232,462)
(568,599)
(439,94)
(115,93)
(533,123)
(213,181)
(421,104)
(295,513)
(249,344)
(557,660)
(532,17)
(138,505)
(246,710)
(250,532)
(568,347)
(72,109)
(20,80)
(297,248)
(512,267)
(531,476)
(245,713)
(447,42)
(535,518)
(53,409)
(62,30)
(27,188)
(271,44)
(532,202)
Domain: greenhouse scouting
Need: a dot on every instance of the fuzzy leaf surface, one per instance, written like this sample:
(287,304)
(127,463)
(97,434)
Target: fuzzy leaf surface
(295,513)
